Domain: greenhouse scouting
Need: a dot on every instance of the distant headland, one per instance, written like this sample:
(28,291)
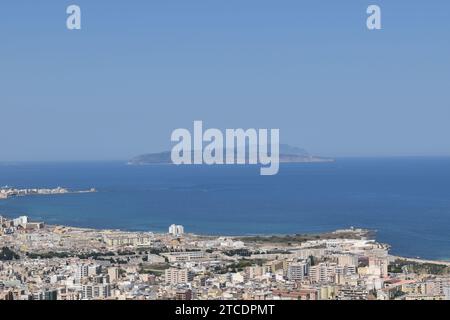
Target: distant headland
(9,192)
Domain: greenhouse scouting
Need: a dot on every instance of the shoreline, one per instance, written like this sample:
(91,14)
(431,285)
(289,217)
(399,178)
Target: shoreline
(356,231)
(422,261)
(371,233)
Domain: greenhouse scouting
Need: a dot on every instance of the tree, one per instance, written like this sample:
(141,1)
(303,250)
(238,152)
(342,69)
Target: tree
(6,254)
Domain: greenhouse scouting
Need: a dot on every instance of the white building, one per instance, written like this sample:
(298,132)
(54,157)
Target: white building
(113,273)
(176,230)
(323,272)
(20,221)
(176,276)
(81,271)
(135,240)
(446,291)
(184,256)
(238,277)
(348,260)
(378,267)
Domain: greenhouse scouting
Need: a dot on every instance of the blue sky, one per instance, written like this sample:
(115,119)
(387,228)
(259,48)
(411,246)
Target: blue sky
(139,69)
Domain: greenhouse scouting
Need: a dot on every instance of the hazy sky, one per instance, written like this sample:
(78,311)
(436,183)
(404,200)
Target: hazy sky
(139,69)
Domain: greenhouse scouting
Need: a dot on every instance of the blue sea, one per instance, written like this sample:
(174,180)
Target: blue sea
(406,200)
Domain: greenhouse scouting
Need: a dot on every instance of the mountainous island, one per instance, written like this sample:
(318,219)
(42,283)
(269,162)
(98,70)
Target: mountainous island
(288,154)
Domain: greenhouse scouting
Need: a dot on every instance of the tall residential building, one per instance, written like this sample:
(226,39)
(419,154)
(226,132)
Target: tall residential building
(177,276)
(273,266)
(176,230)
(297,271)
(45,295)
(348,260)
(113,273)
(446,291)
(81,271)
(101,291)
(378,266)
(323,272)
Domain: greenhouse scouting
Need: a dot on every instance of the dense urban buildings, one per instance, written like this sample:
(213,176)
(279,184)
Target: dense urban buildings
(40,262)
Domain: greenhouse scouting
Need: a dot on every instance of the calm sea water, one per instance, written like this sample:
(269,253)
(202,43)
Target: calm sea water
(406,200)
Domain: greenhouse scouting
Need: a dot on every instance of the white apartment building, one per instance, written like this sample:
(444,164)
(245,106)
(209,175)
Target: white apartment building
(348,260)
(81,271)
(176,276)
(378,266)
(20,221)
(128,240)
(176,230)
(323,272)
(185,256)
(446,291)
(113,273)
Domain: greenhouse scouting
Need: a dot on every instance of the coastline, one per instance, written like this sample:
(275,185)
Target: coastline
(422,261)
(303,198)
(363,234)
(167,265)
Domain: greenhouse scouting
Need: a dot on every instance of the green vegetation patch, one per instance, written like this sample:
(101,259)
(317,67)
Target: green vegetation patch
(399,266)
(6,254)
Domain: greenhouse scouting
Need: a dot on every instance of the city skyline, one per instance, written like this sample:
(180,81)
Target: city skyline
(94,264)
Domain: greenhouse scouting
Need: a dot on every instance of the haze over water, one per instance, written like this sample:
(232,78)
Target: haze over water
(406,200)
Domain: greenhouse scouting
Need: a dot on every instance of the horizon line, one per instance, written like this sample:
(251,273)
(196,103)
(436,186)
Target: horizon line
(127,160)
